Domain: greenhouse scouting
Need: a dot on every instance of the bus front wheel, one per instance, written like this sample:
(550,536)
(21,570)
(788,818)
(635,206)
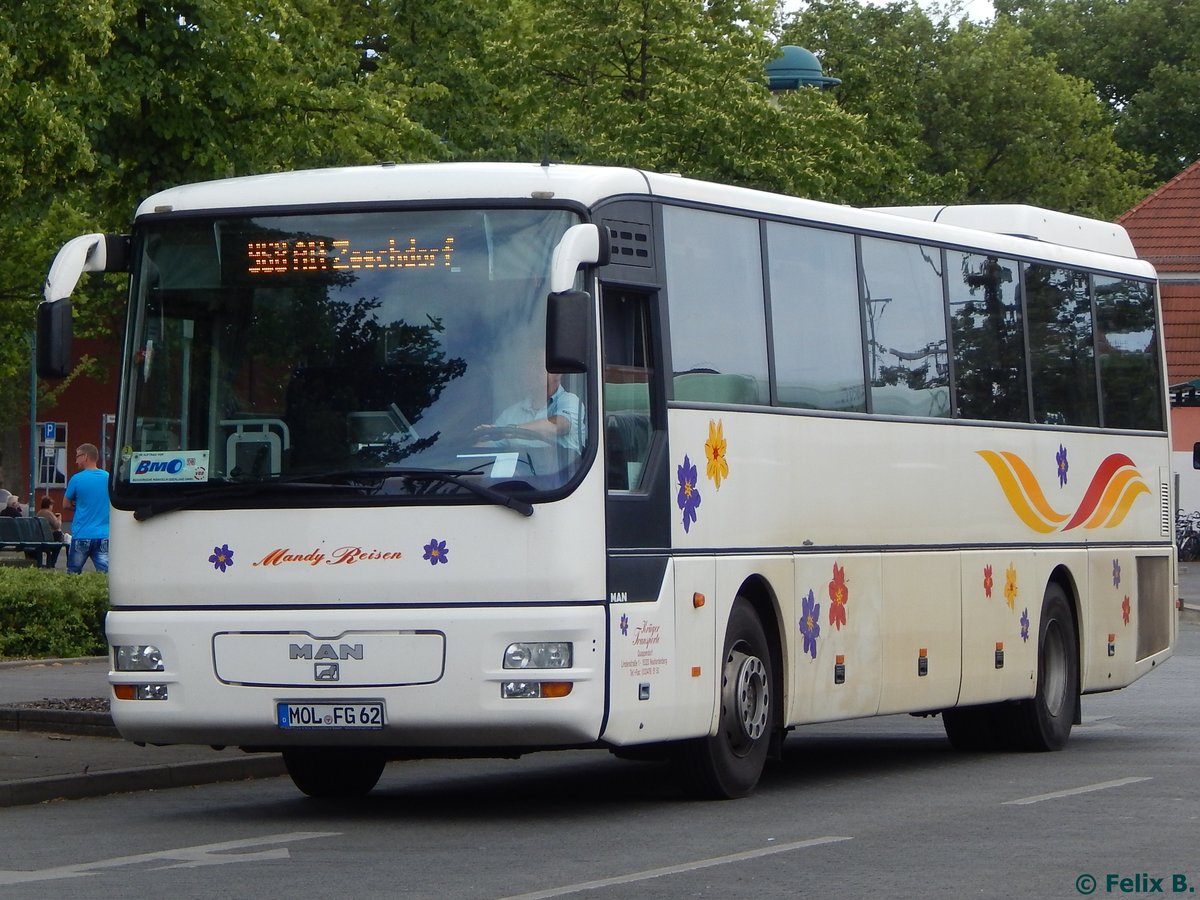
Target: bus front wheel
(728,764)
(1044,722)
(334,772)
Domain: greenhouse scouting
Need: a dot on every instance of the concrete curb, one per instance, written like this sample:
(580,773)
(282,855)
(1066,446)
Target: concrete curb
(147,778)
(48,661)
(59,721)
(26,791)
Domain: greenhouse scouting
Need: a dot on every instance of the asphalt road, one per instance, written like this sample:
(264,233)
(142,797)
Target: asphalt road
(871,808)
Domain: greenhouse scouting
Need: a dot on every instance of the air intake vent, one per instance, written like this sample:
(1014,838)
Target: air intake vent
(1164,506)
(630,243)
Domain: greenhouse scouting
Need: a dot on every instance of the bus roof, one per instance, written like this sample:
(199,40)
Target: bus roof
(1006,229)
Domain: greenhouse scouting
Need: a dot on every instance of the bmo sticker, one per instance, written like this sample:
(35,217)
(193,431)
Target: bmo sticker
(189,465)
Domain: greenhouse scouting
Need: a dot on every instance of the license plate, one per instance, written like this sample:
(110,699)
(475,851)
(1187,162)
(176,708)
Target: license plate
(354,714)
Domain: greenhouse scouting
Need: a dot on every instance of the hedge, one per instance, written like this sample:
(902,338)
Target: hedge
(51,614)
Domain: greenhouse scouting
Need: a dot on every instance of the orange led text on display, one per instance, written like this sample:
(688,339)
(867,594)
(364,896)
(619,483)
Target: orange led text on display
(282,257)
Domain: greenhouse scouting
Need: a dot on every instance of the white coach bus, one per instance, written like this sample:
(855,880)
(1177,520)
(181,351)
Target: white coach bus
(481,459)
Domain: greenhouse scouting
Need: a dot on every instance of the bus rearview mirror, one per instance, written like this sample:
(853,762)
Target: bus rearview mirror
(568,331)
(54,338)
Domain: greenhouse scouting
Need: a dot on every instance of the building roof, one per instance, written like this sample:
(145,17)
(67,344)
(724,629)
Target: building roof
(1165,227)
(1165,230)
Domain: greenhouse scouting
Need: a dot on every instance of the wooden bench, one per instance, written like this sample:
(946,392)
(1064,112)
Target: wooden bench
(32,536)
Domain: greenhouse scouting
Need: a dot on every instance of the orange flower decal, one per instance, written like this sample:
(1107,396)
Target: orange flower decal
(838,595)
(1125,609)
(1010,587)
(714,452)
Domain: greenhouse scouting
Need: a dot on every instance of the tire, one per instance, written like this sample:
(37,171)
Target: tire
(974,729)
(1044,722)
(728,764)
(332,772)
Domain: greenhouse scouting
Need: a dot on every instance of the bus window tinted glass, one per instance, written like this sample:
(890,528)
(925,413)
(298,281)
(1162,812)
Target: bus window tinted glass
(718,319)
(989,345)
(907,359)
(628,376)
(815,320)
(1129,375)
(1059,308)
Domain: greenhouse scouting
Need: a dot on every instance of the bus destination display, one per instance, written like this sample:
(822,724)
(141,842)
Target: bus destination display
(300,255)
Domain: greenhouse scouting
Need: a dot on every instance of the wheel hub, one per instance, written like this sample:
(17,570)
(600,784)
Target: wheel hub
(749,695)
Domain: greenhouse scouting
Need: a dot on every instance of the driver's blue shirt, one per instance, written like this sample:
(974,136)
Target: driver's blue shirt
(561,403)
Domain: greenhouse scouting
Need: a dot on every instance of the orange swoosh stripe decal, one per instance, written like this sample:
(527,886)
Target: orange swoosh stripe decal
(1095,492)
(1112,493)
(1013,491)
(1137,488)
(1114,488)
(1032,489)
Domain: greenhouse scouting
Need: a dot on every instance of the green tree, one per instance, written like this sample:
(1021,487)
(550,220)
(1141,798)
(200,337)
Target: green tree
(1142,58)
(670,85)
(971,112)
(114,99)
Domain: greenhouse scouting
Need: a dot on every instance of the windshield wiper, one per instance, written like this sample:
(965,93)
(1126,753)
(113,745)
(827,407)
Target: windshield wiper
(462,479)
(338,480)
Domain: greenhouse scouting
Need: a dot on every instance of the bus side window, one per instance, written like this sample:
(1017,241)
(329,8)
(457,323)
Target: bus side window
(628,371)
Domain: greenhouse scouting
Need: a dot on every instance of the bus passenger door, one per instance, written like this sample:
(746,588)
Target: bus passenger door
(647,653)
(633,420)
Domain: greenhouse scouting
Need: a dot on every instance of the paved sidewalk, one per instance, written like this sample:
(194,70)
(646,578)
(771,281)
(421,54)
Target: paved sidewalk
(48,754)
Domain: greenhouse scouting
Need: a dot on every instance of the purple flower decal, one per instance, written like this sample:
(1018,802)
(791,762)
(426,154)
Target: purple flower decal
(810,623)
(1025,625)
(624,626)
(689,494)
(436,552)
(1061,459)
(222,558)
(1116,573)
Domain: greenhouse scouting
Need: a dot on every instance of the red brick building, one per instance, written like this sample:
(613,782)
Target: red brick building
(84,413)
(1165,229)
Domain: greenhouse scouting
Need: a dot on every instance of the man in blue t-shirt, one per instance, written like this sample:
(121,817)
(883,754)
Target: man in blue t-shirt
(87,494)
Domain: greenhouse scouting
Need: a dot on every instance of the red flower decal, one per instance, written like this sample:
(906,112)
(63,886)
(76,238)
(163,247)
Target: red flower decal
(838,595)
(987,582)
(1125,609)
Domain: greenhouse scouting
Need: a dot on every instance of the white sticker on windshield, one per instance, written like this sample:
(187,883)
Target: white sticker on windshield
(505,465)
(168,465)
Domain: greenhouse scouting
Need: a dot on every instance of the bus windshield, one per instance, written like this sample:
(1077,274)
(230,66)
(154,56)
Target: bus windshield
(341,349)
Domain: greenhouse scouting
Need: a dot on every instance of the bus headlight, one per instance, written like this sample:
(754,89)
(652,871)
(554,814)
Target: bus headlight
(138,658)
(530,690)
(538,655)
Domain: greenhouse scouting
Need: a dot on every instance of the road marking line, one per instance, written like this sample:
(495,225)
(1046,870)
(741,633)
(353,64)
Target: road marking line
(674,870)
(182,857)
(1071,792)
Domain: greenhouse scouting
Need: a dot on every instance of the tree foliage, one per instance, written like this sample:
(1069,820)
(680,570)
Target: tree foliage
(970,113)
(1142,58)
(106,101)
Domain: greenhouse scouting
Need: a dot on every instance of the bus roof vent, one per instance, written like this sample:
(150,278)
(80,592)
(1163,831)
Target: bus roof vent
(1028,222)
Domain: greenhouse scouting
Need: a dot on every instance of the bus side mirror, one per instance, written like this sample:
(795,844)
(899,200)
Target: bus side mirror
(1196,456)
(54,338)
(86,253)
(568,331)
(580,245)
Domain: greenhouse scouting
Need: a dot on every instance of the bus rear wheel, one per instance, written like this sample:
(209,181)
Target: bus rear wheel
(334,772)
(728,764)
(1044,722)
